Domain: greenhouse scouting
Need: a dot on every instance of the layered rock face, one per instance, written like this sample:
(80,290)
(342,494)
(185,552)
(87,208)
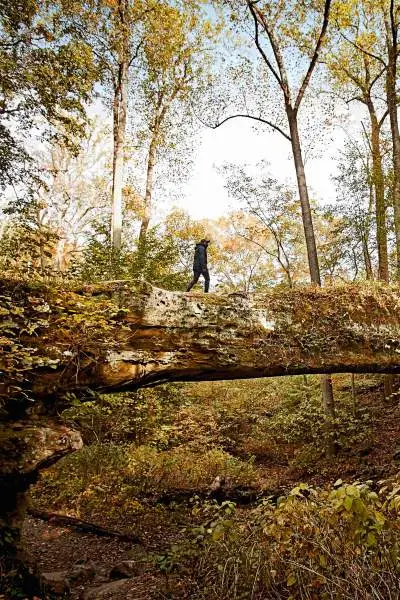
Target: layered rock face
(26,447)
(122,336)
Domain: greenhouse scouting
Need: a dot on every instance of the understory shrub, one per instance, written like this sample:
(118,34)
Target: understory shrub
(179,468)
(144,416)
(71,480)
(273,419)
(113,475)
(299,419)
(314,544)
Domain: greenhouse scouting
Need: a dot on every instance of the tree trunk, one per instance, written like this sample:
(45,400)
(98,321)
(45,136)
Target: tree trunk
(151,160)
(119,133)
(380,212)
(353,395)
(369,274)
(388,386)
(306,387)
(326,380)
(329,409)
(304,199)
(380,203)
(15,573)
(394,127)
(60,262)
(42,257)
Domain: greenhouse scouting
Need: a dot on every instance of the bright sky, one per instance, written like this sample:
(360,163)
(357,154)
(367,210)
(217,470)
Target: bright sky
(204,195)
(240,141)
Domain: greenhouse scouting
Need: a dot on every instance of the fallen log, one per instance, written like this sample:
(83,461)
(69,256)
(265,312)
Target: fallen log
(80,525)
(241,496)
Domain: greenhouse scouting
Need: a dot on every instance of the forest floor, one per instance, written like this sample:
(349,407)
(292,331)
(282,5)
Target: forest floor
(159,526)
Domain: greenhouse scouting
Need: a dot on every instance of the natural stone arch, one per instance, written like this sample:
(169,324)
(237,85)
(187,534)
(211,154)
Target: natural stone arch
(122,335)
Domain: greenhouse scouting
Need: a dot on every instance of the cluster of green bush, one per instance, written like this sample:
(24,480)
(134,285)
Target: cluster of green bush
(339,542)
(258,417)
(117,477)
(181,437)
(311,544)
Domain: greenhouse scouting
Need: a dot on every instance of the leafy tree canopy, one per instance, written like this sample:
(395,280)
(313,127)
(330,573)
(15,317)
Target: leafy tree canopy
(47,76)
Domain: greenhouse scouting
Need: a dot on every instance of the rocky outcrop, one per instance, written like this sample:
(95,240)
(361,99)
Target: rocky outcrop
(58,583)
(26,447)
(125,569)
(55,582)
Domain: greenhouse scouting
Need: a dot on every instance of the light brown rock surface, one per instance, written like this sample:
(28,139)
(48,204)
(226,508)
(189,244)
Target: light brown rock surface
(122,336)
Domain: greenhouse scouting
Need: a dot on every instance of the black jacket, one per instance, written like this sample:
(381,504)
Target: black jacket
(200,257)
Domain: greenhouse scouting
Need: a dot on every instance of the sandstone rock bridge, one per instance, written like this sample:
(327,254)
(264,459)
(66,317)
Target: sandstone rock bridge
(121,336)
(124,335)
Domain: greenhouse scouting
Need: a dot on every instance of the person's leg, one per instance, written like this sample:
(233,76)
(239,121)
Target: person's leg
(206,280)
(196,275)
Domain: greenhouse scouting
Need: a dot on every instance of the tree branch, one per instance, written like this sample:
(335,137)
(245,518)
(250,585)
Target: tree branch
(315,55)
(378,76)
(259,119)
(374,56)
(393,26)
(383,117)
(261,50)
(366,136)
(136,53)
(282,76)
(358,98)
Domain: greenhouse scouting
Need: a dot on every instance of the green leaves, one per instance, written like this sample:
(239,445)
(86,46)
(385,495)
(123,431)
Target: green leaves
(360,507)
(291,580)
(348,502)
(47,76)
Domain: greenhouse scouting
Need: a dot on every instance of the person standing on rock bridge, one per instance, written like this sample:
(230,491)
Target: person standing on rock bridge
(200,265)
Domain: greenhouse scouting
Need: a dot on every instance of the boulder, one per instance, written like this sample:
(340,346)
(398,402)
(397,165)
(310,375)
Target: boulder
(105,591)
(82,573)
(125,568)
(55,582)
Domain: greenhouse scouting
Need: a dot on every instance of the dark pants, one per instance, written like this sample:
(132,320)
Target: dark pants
(196,275)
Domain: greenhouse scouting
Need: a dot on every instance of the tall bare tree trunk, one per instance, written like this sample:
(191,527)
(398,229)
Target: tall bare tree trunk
(60,255)
(151,160)
(391,99)
(163,105)
(304,199)
(354,395)
(394,126)
(119,133)
(326,380)
(369,272)
(42,257)
(367,259)
(330,414)
(379,187)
